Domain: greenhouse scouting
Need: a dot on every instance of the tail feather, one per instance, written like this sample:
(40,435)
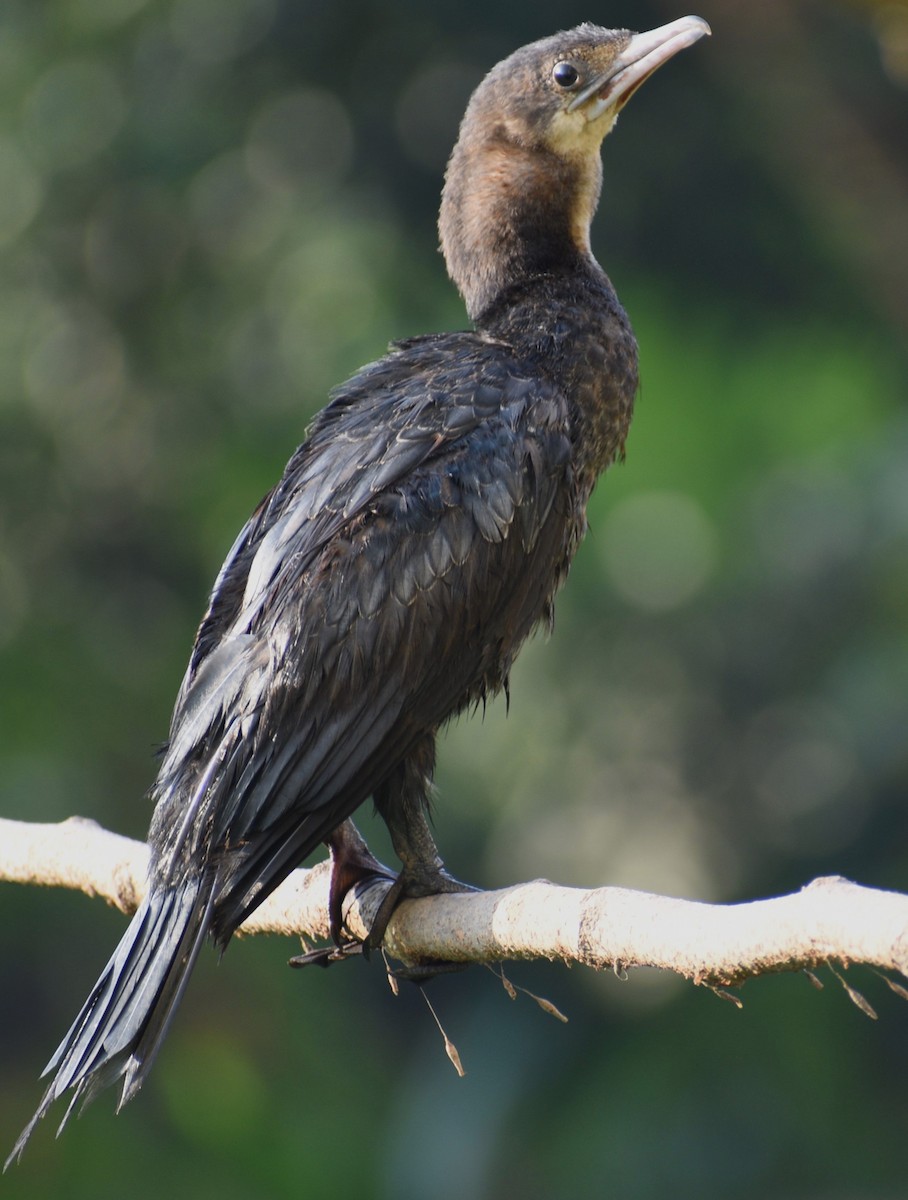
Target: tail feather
(123,1022)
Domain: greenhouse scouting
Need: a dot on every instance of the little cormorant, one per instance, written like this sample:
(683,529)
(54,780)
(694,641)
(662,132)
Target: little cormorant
(416,539)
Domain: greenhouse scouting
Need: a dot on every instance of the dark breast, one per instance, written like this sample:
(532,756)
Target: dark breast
(573,329)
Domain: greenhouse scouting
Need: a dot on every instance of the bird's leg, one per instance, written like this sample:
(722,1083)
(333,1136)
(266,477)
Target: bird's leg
(352,862)
(422,874)
(402,802)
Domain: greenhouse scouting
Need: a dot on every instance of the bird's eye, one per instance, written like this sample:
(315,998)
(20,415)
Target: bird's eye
(565,74)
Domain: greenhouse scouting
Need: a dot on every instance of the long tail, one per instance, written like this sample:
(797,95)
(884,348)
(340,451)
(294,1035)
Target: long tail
(125,1019)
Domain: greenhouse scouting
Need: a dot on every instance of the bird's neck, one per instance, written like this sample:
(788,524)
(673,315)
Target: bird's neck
(509,213)
(514,230)
(572,330)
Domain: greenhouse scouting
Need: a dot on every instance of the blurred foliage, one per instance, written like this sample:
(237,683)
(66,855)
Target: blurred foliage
(211,211)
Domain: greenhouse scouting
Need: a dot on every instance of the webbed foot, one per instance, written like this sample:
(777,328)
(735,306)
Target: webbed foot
(412,884)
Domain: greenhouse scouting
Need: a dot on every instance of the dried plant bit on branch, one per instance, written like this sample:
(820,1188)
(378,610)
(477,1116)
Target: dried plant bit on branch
(512,989)
(855,996)
(450,1048)
(898,988)
(725,994)
(498,972)
(547,1006)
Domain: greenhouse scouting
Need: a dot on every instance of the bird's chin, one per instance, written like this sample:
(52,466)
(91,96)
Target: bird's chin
(602,112)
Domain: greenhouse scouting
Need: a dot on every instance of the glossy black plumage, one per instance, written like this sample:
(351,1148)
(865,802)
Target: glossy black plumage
(415,540)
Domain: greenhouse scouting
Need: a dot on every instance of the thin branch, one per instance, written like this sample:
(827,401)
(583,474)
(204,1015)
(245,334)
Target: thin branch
(830,919)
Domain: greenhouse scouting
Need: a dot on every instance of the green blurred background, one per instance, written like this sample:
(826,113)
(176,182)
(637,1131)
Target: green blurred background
(211,211)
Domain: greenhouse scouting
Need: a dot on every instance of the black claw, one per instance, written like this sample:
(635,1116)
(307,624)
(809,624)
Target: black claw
(420,973)
(390,901)
(327,956)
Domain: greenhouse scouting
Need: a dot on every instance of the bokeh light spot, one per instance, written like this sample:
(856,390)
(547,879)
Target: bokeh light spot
(20,191)
(428,109)
(301,140)
(215,31)
(659,549)
(72,113)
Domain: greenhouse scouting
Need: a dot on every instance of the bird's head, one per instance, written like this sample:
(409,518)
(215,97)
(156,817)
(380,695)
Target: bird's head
(523,180)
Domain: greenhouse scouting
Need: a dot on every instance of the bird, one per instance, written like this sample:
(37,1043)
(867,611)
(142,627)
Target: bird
(416,539)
